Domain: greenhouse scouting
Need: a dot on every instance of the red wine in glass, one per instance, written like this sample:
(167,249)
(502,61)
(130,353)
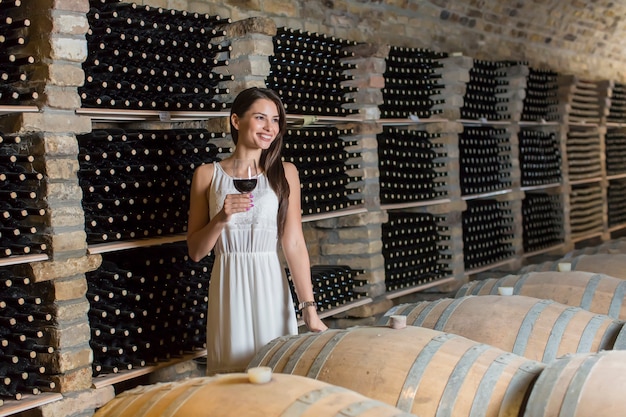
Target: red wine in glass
(244,175)
(245,186)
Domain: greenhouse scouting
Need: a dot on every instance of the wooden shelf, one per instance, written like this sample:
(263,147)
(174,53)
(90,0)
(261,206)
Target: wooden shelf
(421,287)
(541,187)
(28,402)
(4,110)
(486,195)
(617,228)
(23,259)
(414,204)
(122,115)
(544,250)
(485,122)
(616,177)
(333,214)
(409,121)
(490,266)
(591,235)
(130,244)
(539,123)
(586,181)
(111,379)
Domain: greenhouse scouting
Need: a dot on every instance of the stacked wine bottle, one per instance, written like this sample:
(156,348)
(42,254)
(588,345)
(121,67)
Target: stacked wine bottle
(486,95)
(328,169)
(411,166)
(542,219)
(16,63)
(586,209)
(414,249)
(617,109)
(24,338)
(22,205)
(487,232)
(583,148)
(539,157)
(541,102)
(136,182)
(308,71)
(585,99)
(411,82)
(333,286)
(148,305)
(615,151)
(485,159)
(615,202)
(143,57)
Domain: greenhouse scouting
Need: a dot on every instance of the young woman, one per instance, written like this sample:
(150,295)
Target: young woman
(249,299)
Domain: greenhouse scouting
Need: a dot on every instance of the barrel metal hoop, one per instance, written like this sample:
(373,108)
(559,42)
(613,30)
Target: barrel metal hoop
(447,312)
(487,383)
(261,355)
(457,378)
(154,401)
(526,328)
(320,359)
(419,320)
(544,387)
(590,290)
(299,352)
(572,395)
(556,333)
(305,401)
(615,307)
(172,409)
(280,353)
(517,288)
(415,373)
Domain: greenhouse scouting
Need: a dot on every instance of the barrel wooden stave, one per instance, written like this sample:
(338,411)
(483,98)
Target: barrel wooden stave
(538,329)
(418,370)
(232,395)
(580,385)
(598,293)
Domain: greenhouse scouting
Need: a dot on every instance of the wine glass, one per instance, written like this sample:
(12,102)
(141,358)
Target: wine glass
(244,175)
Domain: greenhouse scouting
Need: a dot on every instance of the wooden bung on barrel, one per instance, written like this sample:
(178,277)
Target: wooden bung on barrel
(537,329)
(418,370)
(581,385)
(598,293)
(233,395)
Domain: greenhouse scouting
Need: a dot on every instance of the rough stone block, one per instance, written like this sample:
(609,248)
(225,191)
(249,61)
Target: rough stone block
(43,271)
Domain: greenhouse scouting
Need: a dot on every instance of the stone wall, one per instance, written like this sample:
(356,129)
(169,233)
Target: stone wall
(580,37)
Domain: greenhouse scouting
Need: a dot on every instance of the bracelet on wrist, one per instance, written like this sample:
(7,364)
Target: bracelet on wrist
(306,304)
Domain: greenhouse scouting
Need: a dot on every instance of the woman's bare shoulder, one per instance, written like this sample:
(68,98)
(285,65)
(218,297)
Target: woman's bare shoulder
(203,174)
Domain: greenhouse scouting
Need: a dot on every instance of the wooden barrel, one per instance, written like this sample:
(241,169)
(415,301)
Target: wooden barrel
(537,329)
(581,385)
(231,395)
(418,370)
(598,293)
(600,263)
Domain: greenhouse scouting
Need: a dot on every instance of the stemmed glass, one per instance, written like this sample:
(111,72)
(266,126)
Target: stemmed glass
(244,175)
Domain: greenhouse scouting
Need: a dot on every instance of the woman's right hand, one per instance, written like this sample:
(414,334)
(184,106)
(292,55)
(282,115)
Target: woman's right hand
(236,203)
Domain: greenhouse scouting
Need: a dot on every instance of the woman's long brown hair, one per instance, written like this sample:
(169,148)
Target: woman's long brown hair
(270,161)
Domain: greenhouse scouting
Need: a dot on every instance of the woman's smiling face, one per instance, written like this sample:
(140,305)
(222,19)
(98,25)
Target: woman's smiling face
(259,125)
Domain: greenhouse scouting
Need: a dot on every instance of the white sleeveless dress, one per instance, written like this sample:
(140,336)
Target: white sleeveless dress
(250,302)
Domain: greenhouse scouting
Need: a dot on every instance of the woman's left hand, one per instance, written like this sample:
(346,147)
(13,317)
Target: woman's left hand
(313,321)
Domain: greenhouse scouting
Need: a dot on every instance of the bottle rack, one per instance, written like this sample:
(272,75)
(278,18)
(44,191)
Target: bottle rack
(171,60)
(22,230)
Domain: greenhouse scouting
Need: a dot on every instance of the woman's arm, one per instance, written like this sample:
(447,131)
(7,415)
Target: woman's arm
(296,253)
(203,232)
